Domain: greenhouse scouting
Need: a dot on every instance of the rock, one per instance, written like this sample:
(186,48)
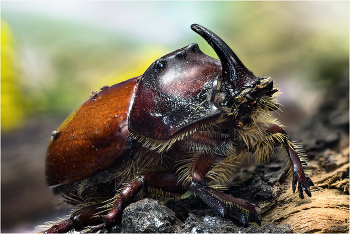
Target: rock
(148,215)
(207,224)
(210,224)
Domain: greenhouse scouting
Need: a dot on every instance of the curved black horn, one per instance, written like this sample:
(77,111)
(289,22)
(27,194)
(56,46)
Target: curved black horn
(233,70)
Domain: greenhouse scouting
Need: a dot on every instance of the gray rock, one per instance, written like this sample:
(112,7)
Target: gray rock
(148,215)
(207,224)
(210,224)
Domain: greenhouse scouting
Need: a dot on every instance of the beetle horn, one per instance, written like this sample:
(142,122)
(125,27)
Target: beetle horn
(235,76)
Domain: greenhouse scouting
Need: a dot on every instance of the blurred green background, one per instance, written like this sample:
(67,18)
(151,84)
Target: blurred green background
(54,53)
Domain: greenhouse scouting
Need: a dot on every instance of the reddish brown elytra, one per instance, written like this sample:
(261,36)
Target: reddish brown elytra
(184,125)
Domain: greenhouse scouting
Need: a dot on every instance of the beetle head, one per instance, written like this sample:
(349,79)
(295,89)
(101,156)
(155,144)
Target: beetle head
(236,82)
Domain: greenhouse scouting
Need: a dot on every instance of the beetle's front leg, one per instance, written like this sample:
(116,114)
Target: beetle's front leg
(299,177)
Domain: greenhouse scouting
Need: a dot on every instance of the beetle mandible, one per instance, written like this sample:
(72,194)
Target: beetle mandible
(184,125)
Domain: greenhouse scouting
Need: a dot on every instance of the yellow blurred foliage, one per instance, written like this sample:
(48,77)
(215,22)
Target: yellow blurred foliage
(146,57)
(12,111)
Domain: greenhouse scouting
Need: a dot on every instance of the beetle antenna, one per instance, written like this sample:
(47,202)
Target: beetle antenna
(235,76)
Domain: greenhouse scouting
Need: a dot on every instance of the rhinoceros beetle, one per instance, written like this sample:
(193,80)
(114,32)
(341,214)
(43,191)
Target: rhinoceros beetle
(186,124)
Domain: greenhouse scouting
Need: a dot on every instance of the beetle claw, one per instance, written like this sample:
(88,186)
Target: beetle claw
(251,216)
(302,185)
(295,181)
(300,189)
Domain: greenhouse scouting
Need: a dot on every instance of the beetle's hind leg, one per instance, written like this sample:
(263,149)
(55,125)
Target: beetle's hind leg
(79,220)
(97,217)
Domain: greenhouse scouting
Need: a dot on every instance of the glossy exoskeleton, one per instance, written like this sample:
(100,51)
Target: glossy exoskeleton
(186,124)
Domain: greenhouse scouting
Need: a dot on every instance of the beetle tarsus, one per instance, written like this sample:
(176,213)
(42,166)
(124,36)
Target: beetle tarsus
(302,186)
(299,178)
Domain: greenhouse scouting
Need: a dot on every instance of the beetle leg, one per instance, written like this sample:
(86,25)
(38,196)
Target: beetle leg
(87,216)
(164,180)
(299,177)
(78,220)
(227,205)
(123,199)
(224,204)
(64,226)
